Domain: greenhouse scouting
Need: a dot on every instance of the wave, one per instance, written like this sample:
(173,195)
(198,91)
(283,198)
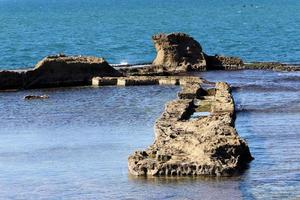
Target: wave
(288,79)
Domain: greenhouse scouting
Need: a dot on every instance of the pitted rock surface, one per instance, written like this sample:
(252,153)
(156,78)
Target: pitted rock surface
(207,145)
(178,52)
(58,71)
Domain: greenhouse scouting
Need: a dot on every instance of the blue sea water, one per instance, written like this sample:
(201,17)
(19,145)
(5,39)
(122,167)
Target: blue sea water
(75,145)
(268,105)
(121,31)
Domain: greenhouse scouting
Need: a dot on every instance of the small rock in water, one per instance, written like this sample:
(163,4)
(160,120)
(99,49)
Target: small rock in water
(30,97)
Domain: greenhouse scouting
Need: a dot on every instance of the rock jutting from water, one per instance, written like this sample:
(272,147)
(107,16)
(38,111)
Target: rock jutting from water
(32,97)
(11,79)
(179,52)
(57,71)
(187,144)
(219,62)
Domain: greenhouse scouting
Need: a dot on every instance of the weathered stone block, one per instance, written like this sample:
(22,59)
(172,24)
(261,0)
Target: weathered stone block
(104,81)
(207,145)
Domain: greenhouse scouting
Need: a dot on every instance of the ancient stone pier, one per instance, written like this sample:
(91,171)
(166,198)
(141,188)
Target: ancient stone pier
(195,135)
(144,80)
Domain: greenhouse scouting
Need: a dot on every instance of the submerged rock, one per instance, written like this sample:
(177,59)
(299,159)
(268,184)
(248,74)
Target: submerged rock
(178,52)
(31,97)
(206,145)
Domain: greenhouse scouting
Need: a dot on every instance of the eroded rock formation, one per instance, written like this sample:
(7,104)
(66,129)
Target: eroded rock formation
(217,62)
(67,70)
(11,80)
(185,145)
(60,70)
(178,52)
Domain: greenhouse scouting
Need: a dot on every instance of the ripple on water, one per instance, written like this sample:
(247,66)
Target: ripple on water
(268,117)
(76,143)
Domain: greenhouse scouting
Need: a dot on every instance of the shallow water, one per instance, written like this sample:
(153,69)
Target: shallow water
(268,118)
(121,31)
(75,144)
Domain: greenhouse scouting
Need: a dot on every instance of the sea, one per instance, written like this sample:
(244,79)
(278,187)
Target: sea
(121,31)
(75,144)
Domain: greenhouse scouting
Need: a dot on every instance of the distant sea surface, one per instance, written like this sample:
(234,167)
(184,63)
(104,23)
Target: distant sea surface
(121,31)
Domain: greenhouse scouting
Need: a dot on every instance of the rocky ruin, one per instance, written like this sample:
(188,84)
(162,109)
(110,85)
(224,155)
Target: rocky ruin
(11,79)
(195,135)
(201,145)
(219,62)
(144,80)
(57,71)
(178,52)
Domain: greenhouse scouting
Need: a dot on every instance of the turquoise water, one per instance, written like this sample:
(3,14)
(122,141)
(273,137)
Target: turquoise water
(121,30)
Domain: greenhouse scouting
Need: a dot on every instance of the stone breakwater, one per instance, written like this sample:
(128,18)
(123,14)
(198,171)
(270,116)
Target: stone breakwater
(201,145)
(143,80)
(195,134)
